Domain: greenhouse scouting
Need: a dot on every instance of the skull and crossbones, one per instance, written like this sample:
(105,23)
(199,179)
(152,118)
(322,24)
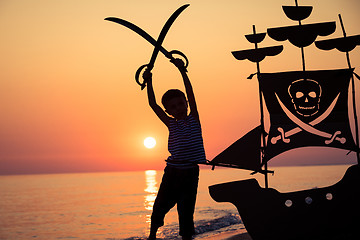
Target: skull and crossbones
(305,95)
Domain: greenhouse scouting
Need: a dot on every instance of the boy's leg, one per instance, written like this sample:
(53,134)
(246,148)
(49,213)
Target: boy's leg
(153,230)
(186,204)
(165,200)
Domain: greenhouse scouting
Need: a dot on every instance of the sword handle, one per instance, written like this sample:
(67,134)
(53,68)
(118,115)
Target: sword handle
(137,75)
(141,68)
(177,52)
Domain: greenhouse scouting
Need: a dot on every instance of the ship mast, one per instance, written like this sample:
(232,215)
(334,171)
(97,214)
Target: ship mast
(302,48)
(345,44)
(257,55)
(263,144)
(353,94)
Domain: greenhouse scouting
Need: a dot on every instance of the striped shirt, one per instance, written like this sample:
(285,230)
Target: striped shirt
(185,143)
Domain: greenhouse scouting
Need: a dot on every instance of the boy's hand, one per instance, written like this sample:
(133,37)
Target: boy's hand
(179,64)
(147,76)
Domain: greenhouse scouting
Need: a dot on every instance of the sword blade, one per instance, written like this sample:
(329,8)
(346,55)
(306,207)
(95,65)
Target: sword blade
(163,33)
(326,113)
(316,120)
(301,124)
(139,31)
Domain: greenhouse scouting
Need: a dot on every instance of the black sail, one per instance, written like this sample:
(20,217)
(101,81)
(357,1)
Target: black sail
(307,108)
(244,153)
(302,35)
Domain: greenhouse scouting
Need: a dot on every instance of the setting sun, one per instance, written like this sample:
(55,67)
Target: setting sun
(149,142)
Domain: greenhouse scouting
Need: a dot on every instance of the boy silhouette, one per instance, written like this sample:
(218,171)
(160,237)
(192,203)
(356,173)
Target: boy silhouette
(181,175)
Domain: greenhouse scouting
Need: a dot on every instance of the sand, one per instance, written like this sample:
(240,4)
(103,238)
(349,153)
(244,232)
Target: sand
(241,236)
(230,235)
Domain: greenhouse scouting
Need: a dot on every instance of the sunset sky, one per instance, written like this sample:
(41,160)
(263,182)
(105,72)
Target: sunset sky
(69,101)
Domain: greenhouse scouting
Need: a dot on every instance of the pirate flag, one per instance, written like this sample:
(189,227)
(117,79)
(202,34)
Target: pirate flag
(307,108)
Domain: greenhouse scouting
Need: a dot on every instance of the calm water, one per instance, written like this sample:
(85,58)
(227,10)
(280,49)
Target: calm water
(118,205)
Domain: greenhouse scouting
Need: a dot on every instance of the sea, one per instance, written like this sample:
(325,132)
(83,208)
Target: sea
(118,205)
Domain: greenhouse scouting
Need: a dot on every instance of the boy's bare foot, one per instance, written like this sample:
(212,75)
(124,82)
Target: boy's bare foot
(152,237)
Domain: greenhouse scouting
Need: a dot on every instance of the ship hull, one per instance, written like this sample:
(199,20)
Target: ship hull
(323,213)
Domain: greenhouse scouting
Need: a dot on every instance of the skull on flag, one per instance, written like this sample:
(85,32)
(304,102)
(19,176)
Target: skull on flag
(305,95)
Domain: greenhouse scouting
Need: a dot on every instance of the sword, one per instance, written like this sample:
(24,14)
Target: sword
(157,44)
(293,131)
(147,37)
(309,128)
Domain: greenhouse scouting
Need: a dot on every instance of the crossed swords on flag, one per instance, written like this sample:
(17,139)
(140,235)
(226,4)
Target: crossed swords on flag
(308,127)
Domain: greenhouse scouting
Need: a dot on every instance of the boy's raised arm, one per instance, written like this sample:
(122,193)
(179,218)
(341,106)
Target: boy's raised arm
(152,100)
(188,87)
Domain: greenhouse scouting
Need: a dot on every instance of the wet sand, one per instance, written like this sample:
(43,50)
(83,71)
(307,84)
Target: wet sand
(242,236)
(231,235)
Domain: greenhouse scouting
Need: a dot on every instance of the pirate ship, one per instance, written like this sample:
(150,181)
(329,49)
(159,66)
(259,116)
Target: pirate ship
(306,108)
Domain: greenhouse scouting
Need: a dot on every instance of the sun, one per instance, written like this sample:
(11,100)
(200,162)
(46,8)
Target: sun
(149,142)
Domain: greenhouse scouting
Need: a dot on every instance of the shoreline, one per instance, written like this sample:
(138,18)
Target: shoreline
(235,235)
(238,234)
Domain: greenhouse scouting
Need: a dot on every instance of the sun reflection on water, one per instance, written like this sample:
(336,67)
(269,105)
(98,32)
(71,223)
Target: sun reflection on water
(151,190)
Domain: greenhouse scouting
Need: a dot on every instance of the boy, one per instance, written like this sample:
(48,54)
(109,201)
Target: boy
(181,175)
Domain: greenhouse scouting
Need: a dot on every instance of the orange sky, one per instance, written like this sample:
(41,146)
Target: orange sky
(68,99)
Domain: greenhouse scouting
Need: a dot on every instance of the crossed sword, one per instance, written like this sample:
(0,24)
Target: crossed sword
(308,126)
(156,43)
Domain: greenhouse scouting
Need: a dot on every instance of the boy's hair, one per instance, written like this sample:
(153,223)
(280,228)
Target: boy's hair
(170,94)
